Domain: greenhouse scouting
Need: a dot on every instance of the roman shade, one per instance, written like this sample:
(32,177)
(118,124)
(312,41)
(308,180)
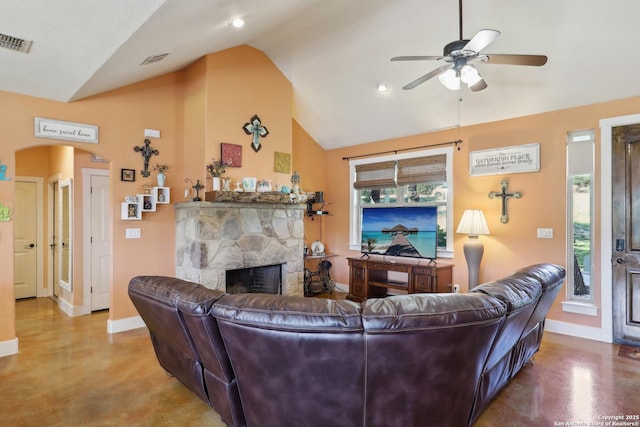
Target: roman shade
(422,170)
(375,175)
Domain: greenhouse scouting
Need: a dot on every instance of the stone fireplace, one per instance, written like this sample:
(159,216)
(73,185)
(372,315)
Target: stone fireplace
(214,237)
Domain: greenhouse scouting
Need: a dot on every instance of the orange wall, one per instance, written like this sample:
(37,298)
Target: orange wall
(308,158)
(512,245)
(242,82)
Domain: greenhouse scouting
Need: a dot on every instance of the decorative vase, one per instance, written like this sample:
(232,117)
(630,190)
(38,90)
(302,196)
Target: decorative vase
(161,178)
(216,183)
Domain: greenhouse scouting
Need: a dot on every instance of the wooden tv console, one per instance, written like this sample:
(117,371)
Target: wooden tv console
(369,278)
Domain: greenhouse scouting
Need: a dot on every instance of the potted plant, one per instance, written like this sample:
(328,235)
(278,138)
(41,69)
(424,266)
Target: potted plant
(216,168)
(161,170)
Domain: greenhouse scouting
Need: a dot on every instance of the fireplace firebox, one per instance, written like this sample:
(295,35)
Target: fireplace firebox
(264,279)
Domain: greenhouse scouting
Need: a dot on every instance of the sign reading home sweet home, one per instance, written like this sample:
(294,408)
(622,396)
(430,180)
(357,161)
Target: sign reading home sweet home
(56,129)
(517,159)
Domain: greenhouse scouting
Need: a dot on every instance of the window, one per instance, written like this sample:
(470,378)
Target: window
(408,179)
(580,166)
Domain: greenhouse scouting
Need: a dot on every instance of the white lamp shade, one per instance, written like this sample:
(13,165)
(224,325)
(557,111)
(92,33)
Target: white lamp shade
(473,223)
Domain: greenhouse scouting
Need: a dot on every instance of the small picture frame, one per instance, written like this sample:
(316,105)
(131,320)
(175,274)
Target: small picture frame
(128,175)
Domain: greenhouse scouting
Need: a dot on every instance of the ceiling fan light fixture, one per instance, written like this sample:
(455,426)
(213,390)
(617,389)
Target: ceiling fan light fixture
(237,22)
(469,75)
(450,79)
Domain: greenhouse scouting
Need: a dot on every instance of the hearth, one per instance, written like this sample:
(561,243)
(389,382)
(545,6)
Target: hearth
(265,279)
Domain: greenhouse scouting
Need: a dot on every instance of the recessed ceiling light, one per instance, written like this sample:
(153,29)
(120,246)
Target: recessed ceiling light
(237,22)
(383,87)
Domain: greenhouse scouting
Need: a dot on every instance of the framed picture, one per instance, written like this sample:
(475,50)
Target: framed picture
(231,154)
(127,175)
(282,162)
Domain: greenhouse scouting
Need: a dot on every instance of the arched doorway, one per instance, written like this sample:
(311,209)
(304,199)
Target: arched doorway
(74,241)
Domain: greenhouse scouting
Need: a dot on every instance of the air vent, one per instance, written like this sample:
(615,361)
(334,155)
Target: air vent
(155,58)
(14,43)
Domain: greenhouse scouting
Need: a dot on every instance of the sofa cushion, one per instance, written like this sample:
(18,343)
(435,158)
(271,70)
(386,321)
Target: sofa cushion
(157,299)
(424,355)
(298,361)
(416,311)
(289,312)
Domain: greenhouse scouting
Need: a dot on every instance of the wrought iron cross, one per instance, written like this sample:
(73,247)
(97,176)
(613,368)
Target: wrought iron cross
(147,152)
(504,196)
(254,127)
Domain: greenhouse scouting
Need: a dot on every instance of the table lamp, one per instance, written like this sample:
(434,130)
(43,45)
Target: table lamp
(473,224)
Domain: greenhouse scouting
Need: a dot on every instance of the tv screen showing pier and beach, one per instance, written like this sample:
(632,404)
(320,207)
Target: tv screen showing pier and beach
(409,231)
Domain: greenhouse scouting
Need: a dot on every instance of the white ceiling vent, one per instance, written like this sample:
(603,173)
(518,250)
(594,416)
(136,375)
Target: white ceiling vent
(14,43)
(155,58)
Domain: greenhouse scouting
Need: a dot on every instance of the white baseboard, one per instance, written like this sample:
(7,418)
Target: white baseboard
(7,348)
(121,325)
(71,310)
(587,332)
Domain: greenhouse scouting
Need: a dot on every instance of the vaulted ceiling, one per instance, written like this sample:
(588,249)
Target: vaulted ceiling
(335,52)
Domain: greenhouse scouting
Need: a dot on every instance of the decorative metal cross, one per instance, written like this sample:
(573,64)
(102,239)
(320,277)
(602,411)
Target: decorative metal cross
(254,127)
(197,187)
(505,196)
(147,152)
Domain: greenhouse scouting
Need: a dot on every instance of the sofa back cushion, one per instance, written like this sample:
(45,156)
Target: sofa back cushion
(298,361)
(424,355)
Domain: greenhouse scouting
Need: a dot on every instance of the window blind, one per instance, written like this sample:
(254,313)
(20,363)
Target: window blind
(422,169)
(375,175)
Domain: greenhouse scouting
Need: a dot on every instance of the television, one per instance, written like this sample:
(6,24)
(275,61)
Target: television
(407,231)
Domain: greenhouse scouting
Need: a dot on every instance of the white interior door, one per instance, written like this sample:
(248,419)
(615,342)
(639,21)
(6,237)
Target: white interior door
(100,243)
(25,224)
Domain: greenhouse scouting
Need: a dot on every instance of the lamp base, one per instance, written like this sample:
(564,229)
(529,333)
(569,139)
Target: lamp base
(473,250)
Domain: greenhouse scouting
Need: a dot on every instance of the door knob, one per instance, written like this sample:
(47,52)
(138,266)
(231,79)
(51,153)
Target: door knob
(30,246)
(620,260)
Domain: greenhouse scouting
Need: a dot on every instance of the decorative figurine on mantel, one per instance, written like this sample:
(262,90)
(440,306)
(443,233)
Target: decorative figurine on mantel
(295,183)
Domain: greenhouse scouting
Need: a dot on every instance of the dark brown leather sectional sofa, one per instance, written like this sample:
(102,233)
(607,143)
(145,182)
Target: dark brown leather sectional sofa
(409,360)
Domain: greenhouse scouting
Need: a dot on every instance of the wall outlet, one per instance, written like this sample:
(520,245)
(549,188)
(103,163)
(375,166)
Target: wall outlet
(545,233)
(456,289)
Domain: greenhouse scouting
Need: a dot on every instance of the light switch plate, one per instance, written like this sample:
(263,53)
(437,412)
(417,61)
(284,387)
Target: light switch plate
(545,233)
(132,233)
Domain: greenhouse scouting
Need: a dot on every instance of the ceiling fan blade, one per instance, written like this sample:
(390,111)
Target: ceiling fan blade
(478,86)
(481,40)
(416,58)
(427,76)
(535,60)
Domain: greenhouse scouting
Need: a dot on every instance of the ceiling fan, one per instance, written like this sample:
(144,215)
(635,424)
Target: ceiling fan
(459,56)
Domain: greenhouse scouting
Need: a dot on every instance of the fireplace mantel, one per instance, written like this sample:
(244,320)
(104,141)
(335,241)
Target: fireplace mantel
(213,237)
